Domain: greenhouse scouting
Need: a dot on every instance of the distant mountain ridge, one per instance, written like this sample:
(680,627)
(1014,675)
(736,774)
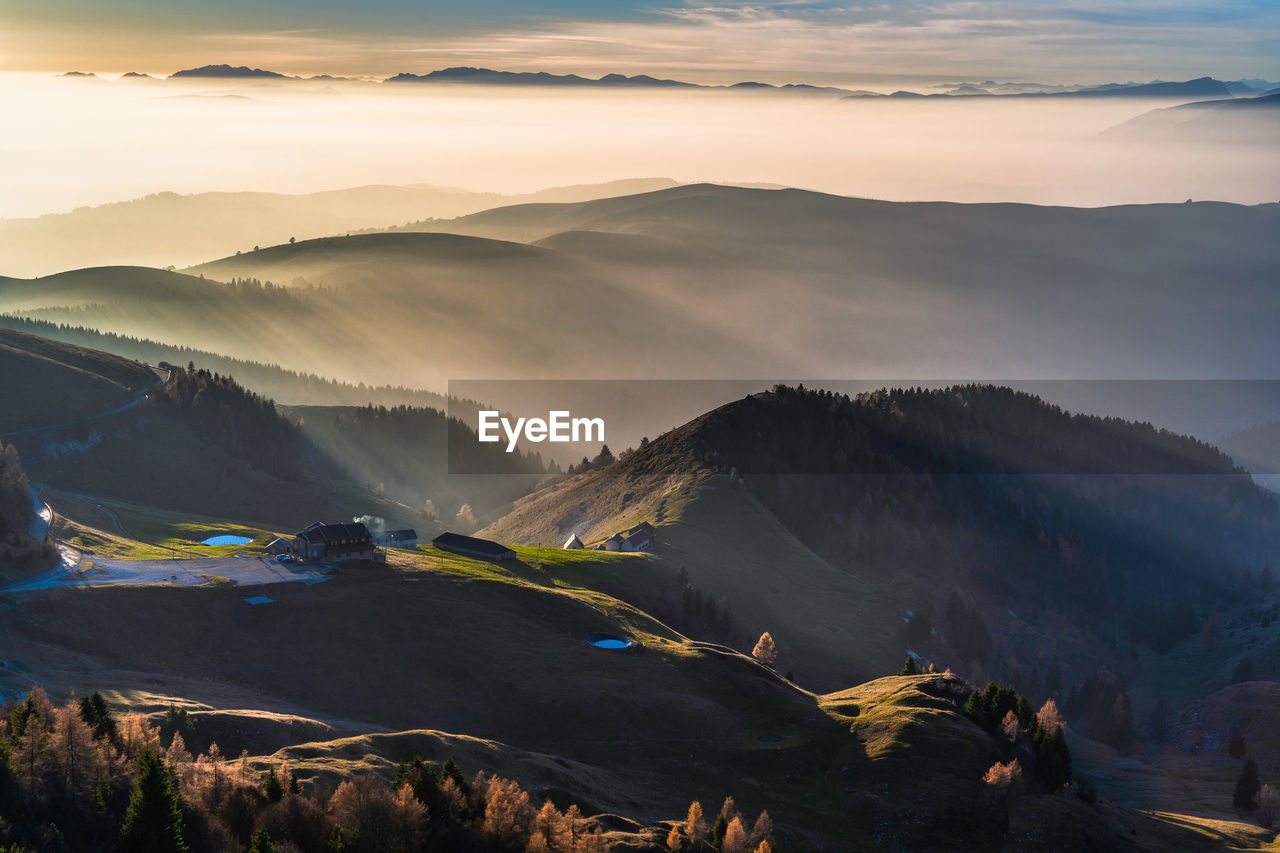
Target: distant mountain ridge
(1254,120)
(240,72)
(1201,87)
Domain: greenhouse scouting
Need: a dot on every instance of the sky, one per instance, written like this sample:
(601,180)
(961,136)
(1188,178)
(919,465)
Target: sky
(836,41)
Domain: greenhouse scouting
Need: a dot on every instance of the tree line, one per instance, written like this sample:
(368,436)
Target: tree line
(75,777)
(246,424)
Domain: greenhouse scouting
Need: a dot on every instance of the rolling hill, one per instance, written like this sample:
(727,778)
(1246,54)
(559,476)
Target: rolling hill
(637,733)
(975,526)
(864,283)
(1235,121)
(167,228)
(90,422)
(733,283)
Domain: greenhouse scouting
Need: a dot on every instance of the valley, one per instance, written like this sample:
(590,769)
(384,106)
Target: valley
(1115,571)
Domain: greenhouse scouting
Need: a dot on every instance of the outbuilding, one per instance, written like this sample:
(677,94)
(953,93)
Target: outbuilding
(470,546)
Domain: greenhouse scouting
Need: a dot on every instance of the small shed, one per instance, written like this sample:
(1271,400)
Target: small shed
(573,542)
(407,538)
(279,546)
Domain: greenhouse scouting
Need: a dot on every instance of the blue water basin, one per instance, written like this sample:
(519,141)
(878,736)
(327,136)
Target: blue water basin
(227,539)
(609,641)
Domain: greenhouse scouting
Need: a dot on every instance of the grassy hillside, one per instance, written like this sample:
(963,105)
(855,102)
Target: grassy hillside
(681,716)
(87,422)
(975,526)
(832,627)
(48,382)
(893,763)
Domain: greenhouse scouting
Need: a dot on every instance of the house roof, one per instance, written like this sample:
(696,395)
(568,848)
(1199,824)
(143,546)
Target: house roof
(644,525)
(639,537)
(573,542)
(396,535)
(471,545)
(318,532)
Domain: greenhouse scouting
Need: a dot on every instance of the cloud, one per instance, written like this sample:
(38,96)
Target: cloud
(1082,40)
(1071,41)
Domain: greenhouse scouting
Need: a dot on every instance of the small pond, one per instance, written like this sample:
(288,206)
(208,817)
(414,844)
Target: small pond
(227,539)
(608,641)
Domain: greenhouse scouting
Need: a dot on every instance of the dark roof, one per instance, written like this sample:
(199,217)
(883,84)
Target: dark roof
(644,525)
(470,545)
(407,535)
(638,537)
(318,532)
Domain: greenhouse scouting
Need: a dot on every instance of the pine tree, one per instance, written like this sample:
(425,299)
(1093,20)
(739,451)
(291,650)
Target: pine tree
(94,711)
(262,842)
(1247,787)
(909,668)
(718,831)
(272,787)
(1053,757)
(153,822)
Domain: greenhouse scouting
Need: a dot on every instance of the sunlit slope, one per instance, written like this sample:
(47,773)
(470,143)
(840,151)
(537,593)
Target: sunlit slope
(424,308)
(832,626)
(796,282)
(434,641)
(721,282)
(169,228)
(87,422)
(443,656)
(82,287)
(978,527)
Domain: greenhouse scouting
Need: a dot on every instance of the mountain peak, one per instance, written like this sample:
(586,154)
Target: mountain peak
(228,71)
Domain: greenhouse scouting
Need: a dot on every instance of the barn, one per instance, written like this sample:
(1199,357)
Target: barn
(470,546)
(407,538)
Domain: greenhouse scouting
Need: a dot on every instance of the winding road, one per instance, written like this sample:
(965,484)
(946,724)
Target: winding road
(163,375)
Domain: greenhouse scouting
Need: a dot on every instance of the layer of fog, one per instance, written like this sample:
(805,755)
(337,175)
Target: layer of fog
(73,142)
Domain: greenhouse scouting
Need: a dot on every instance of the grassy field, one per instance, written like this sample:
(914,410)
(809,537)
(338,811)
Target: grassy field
(127,531)
(833,627)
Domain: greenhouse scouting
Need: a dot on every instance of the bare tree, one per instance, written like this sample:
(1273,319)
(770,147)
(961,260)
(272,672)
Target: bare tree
(735,838)
(1003,775)
(1268,806)
(761,830)
(1049,718)
(765,651)
(695,825)
(80,760)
